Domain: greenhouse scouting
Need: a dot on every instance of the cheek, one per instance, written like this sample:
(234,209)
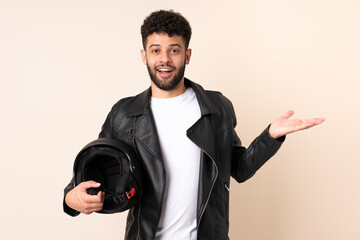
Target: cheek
(183,61)
(150,64)
(150,61)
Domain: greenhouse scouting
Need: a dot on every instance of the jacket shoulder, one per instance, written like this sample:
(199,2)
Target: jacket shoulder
(218,97)
(131,106)
(120,118)
(220,101)
(123,104)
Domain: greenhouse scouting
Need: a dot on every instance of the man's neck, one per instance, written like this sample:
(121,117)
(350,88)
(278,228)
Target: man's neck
(159,93)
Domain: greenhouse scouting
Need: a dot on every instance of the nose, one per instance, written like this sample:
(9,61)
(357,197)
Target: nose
(165,57)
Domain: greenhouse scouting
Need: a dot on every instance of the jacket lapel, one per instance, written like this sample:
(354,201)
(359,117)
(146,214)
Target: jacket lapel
(144,128)
(202,132)
(145,131)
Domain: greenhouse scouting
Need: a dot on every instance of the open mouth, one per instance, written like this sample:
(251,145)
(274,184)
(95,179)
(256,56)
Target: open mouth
(165,70)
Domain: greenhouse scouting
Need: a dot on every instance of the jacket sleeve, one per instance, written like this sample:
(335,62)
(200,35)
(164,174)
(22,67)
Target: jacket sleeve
(66,208)
(246,161)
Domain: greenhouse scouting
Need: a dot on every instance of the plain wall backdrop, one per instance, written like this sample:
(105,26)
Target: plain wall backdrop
(63,64)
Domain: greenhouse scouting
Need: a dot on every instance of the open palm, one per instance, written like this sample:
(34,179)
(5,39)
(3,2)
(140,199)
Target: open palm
(283,125)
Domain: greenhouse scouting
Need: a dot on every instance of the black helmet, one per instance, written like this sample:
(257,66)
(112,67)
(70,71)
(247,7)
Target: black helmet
(116,166)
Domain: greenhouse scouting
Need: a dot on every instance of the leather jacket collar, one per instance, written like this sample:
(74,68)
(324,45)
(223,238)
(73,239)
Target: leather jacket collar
(142,101)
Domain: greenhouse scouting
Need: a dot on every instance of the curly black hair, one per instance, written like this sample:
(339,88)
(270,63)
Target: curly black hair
(169,22)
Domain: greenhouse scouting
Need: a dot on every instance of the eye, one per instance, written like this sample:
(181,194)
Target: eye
(155,51)
(174,51)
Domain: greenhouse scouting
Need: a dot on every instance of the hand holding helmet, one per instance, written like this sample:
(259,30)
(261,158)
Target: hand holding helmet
(79,199)
(107,178)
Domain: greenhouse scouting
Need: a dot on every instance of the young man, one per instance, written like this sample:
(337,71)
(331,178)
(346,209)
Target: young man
(186,140)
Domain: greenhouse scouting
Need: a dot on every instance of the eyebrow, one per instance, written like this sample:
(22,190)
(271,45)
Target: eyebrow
(171,45)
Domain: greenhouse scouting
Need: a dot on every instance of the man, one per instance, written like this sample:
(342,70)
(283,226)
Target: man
(186,140)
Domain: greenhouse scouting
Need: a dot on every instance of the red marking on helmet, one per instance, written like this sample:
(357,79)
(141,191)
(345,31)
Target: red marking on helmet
(131,193)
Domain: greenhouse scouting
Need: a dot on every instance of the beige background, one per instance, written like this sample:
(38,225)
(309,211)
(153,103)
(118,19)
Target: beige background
(63,64)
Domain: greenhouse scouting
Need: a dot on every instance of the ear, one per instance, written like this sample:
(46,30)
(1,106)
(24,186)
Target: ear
(187,55)
(143,55)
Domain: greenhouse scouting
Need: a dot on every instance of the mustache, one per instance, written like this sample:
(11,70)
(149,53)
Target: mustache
(165,65)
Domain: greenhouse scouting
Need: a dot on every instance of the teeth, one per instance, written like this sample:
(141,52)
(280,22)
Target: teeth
(164,70)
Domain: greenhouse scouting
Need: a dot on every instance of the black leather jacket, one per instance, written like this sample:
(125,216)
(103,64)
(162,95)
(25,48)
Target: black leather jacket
(131,120)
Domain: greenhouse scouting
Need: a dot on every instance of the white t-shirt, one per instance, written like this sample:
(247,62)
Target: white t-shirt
(173,116)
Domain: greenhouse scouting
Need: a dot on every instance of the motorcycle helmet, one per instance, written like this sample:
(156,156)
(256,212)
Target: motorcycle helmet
(116,166)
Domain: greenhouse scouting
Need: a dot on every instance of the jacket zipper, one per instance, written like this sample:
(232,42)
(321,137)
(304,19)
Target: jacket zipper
(207,200)
(227,188)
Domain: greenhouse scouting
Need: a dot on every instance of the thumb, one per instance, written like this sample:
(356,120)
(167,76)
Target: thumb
(288,114)
(90,184)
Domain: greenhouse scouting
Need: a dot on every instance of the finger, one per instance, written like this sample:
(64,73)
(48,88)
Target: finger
(319,120)
(90,208)
(89,184)
(95,206)
(308,123)
(94,198)
(313,121)
(101,196)
(288,114)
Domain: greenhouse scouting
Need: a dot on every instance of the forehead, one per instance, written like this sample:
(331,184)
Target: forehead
(163,40)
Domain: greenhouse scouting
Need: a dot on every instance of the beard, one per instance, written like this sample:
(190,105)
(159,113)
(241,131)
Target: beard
(171,83)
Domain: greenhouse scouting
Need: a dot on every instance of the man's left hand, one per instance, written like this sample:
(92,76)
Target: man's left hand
(283,125)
